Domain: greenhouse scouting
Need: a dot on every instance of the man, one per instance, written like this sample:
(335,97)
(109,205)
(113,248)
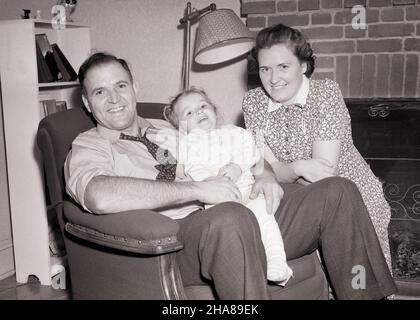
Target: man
(110,170)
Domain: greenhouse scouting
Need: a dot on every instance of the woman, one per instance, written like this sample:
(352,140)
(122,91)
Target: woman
(305,124)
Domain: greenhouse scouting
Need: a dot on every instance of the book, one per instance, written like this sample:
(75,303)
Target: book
(50,106)
(47,53)
(47,106)
(58,65)
(68,72)
(44,44)
(60,106)
(52,65)
(44,73)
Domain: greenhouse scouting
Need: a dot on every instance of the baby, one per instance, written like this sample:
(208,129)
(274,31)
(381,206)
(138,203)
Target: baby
(207,149)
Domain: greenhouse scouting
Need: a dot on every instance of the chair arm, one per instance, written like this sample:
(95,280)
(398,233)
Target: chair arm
(140,231)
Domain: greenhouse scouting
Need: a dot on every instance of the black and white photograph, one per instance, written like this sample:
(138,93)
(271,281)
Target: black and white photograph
(231,151)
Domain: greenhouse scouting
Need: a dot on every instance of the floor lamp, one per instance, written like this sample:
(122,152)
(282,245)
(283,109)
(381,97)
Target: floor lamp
(221,36)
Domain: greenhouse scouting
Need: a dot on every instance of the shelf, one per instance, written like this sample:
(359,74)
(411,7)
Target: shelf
(44,22)
(67,24)
(21,95)
(58,84)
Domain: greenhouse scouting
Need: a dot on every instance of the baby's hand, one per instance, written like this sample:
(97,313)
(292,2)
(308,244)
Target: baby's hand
(231,170)
(180,172)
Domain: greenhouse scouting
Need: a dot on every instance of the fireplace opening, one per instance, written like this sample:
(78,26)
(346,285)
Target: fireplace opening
(387,134)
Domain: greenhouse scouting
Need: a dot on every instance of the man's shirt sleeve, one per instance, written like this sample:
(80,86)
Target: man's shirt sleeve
(90,156)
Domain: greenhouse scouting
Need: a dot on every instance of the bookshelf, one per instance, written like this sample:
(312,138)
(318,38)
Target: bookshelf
(58,84)
(21,96)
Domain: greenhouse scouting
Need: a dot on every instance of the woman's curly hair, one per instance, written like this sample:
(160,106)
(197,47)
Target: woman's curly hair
(292,38)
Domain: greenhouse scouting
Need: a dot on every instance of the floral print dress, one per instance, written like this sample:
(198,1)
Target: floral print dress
(290,132)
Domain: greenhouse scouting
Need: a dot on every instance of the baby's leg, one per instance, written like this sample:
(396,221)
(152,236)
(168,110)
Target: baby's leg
(277,268)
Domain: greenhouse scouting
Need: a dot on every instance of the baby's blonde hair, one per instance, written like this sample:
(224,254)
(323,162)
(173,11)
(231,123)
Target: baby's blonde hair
(169,113)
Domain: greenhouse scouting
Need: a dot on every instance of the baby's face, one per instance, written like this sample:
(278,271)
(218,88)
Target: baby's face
(195,112)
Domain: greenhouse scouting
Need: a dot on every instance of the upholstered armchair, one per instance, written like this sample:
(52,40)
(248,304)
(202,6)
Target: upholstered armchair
(131,255)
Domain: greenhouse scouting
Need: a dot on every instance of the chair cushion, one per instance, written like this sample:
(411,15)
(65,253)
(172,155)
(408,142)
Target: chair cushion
(308,282)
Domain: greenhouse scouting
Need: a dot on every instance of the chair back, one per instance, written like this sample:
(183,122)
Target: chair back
(56,133)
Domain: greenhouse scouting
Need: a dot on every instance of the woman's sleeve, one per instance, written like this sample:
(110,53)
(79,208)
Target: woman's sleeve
(334,117)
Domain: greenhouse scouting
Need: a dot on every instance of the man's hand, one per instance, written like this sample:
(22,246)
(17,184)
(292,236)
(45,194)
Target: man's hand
(231,170)
(268,185)
(218,189)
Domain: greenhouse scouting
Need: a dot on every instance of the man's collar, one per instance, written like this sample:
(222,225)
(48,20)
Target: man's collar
(114,135)
(299,99)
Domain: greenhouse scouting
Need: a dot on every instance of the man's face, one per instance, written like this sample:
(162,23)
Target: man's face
(110,95)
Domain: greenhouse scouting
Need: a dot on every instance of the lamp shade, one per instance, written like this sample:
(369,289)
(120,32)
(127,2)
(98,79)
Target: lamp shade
(221,36)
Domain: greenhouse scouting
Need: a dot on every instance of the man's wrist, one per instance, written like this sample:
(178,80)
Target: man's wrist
(267,173)
(277,167)
(194,191)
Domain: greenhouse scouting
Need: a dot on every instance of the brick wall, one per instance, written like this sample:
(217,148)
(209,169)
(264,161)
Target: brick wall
(381,60)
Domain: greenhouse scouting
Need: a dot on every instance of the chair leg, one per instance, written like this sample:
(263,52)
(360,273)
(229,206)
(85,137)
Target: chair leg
(98,272)
(171,278)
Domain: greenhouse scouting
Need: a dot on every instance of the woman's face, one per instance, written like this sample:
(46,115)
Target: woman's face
(281,72)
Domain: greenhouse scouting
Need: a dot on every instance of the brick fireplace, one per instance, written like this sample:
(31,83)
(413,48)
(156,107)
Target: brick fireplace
(378,70)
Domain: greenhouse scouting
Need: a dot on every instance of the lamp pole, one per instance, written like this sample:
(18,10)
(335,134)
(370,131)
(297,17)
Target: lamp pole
(187,19)
(186,82)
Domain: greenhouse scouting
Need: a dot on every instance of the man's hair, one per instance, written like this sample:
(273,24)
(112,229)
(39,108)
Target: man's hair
(100,58)
(281,34)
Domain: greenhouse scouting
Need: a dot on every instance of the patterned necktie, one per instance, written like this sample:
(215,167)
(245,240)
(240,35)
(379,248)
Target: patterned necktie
(167,162)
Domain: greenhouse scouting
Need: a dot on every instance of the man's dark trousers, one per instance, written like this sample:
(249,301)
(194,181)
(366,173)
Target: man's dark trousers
(222,244)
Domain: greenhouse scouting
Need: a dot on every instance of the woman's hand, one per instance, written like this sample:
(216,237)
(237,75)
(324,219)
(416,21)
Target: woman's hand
(268,185)
(314,169)
(302,182)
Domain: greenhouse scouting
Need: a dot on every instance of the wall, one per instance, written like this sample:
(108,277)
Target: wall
(381,60)
(6,247)
(146,33)
(150,40)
